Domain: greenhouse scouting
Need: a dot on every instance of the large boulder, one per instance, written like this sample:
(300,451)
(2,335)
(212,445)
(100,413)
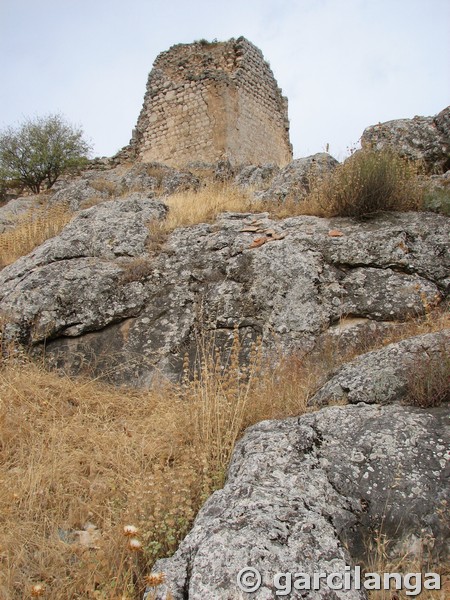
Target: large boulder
(257,177)
(297,178)
(85,278)
(299,499)
(76,194)
(395,372)
(15,210)
(425,139)
(95,294)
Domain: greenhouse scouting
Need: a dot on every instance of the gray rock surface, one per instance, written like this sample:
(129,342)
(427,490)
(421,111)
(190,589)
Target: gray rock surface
(286,281)
(158,178)
(426,139)
(116,181)
(14,210)
(295,180)
(256,176)
(389,374)
(299,498)
(76,194)
(437,193)
(84,278)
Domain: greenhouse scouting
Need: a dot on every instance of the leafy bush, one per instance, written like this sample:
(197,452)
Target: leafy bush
(40,150)
(369,182)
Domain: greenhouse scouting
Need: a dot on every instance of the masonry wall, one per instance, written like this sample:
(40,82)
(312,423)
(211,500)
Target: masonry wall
(213,101)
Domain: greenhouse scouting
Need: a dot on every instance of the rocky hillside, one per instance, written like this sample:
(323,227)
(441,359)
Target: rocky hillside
(93,295)
(301,498)
(117,294)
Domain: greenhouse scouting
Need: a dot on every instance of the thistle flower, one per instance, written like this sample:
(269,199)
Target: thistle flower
(134,544)
(155,579)
(130,530)
(37,590)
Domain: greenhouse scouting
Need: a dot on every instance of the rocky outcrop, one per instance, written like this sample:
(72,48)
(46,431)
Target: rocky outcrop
(14,210)
(84,278)
(257,177)
(299,499)
(426,139)
(95,297)
(296,179)
(393,373)
(116,181)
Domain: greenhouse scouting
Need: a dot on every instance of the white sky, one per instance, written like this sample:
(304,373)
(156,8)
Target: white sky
(343,64)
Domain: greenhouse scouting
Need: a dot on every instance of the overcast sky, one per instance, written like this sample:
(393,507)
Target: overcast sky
(343,64)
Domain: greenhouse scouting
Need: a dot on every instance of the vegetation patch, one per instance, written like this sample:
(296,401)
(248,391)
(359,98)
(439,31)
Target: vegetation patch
(98,482)
(369,182)
(31,231)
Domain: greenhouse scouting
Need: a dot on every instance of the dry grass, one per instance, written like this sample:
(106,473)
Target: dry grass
(366,183)
(32,230)
(105,186)
(80,460)
(192,207)
(79,456)
(430,384)
(381,561)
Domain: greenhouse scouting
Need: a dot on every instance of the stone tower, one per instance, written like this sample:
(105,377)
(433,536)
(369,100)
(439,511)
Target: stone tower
(211,101)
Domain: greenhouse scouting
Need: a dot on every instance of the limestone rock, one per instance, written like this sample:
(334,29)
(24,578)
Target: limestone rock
(94,186)
(13,210)
(391,373)
(81,280)
(94,294)
(297,496)
(256,177)
(160,179)
(425,139)
(76,193)
(295,180)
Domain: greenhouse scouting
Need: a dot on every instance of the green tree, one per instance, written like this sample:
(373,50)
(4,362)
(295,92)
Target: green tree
(40,150)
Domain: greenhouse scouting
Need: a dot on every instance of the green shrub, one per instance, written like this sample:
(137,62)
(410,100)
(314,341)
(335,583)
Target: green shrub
(369,182)
(438,200)
(40,150)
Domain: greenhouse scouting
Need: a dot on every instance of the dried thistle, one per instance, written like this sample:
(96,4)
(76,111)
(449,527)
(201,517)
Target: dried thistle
(38,590)
(155,579)
(130,531)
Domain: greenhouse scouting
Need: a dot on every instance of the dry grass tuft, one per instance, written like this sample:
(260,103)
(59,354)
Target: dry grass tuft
(430,383)
(105,186)
(366,183)
(381,561)
(32,230)
(192,207)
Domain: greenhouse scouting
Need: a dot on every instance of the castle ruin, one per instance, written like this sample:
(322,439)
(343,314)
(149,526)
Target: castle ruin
(212,101)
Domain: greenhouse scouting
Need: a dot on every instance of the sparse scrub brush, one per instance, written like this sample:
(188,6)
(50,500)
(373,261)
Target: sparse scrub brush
(368,182)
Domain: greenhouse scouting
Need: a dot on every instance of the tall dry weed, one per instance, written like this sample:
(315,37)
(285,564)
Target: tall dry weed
(31,230)
(79,460)
(191,207)
(368,182)
(382,561)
